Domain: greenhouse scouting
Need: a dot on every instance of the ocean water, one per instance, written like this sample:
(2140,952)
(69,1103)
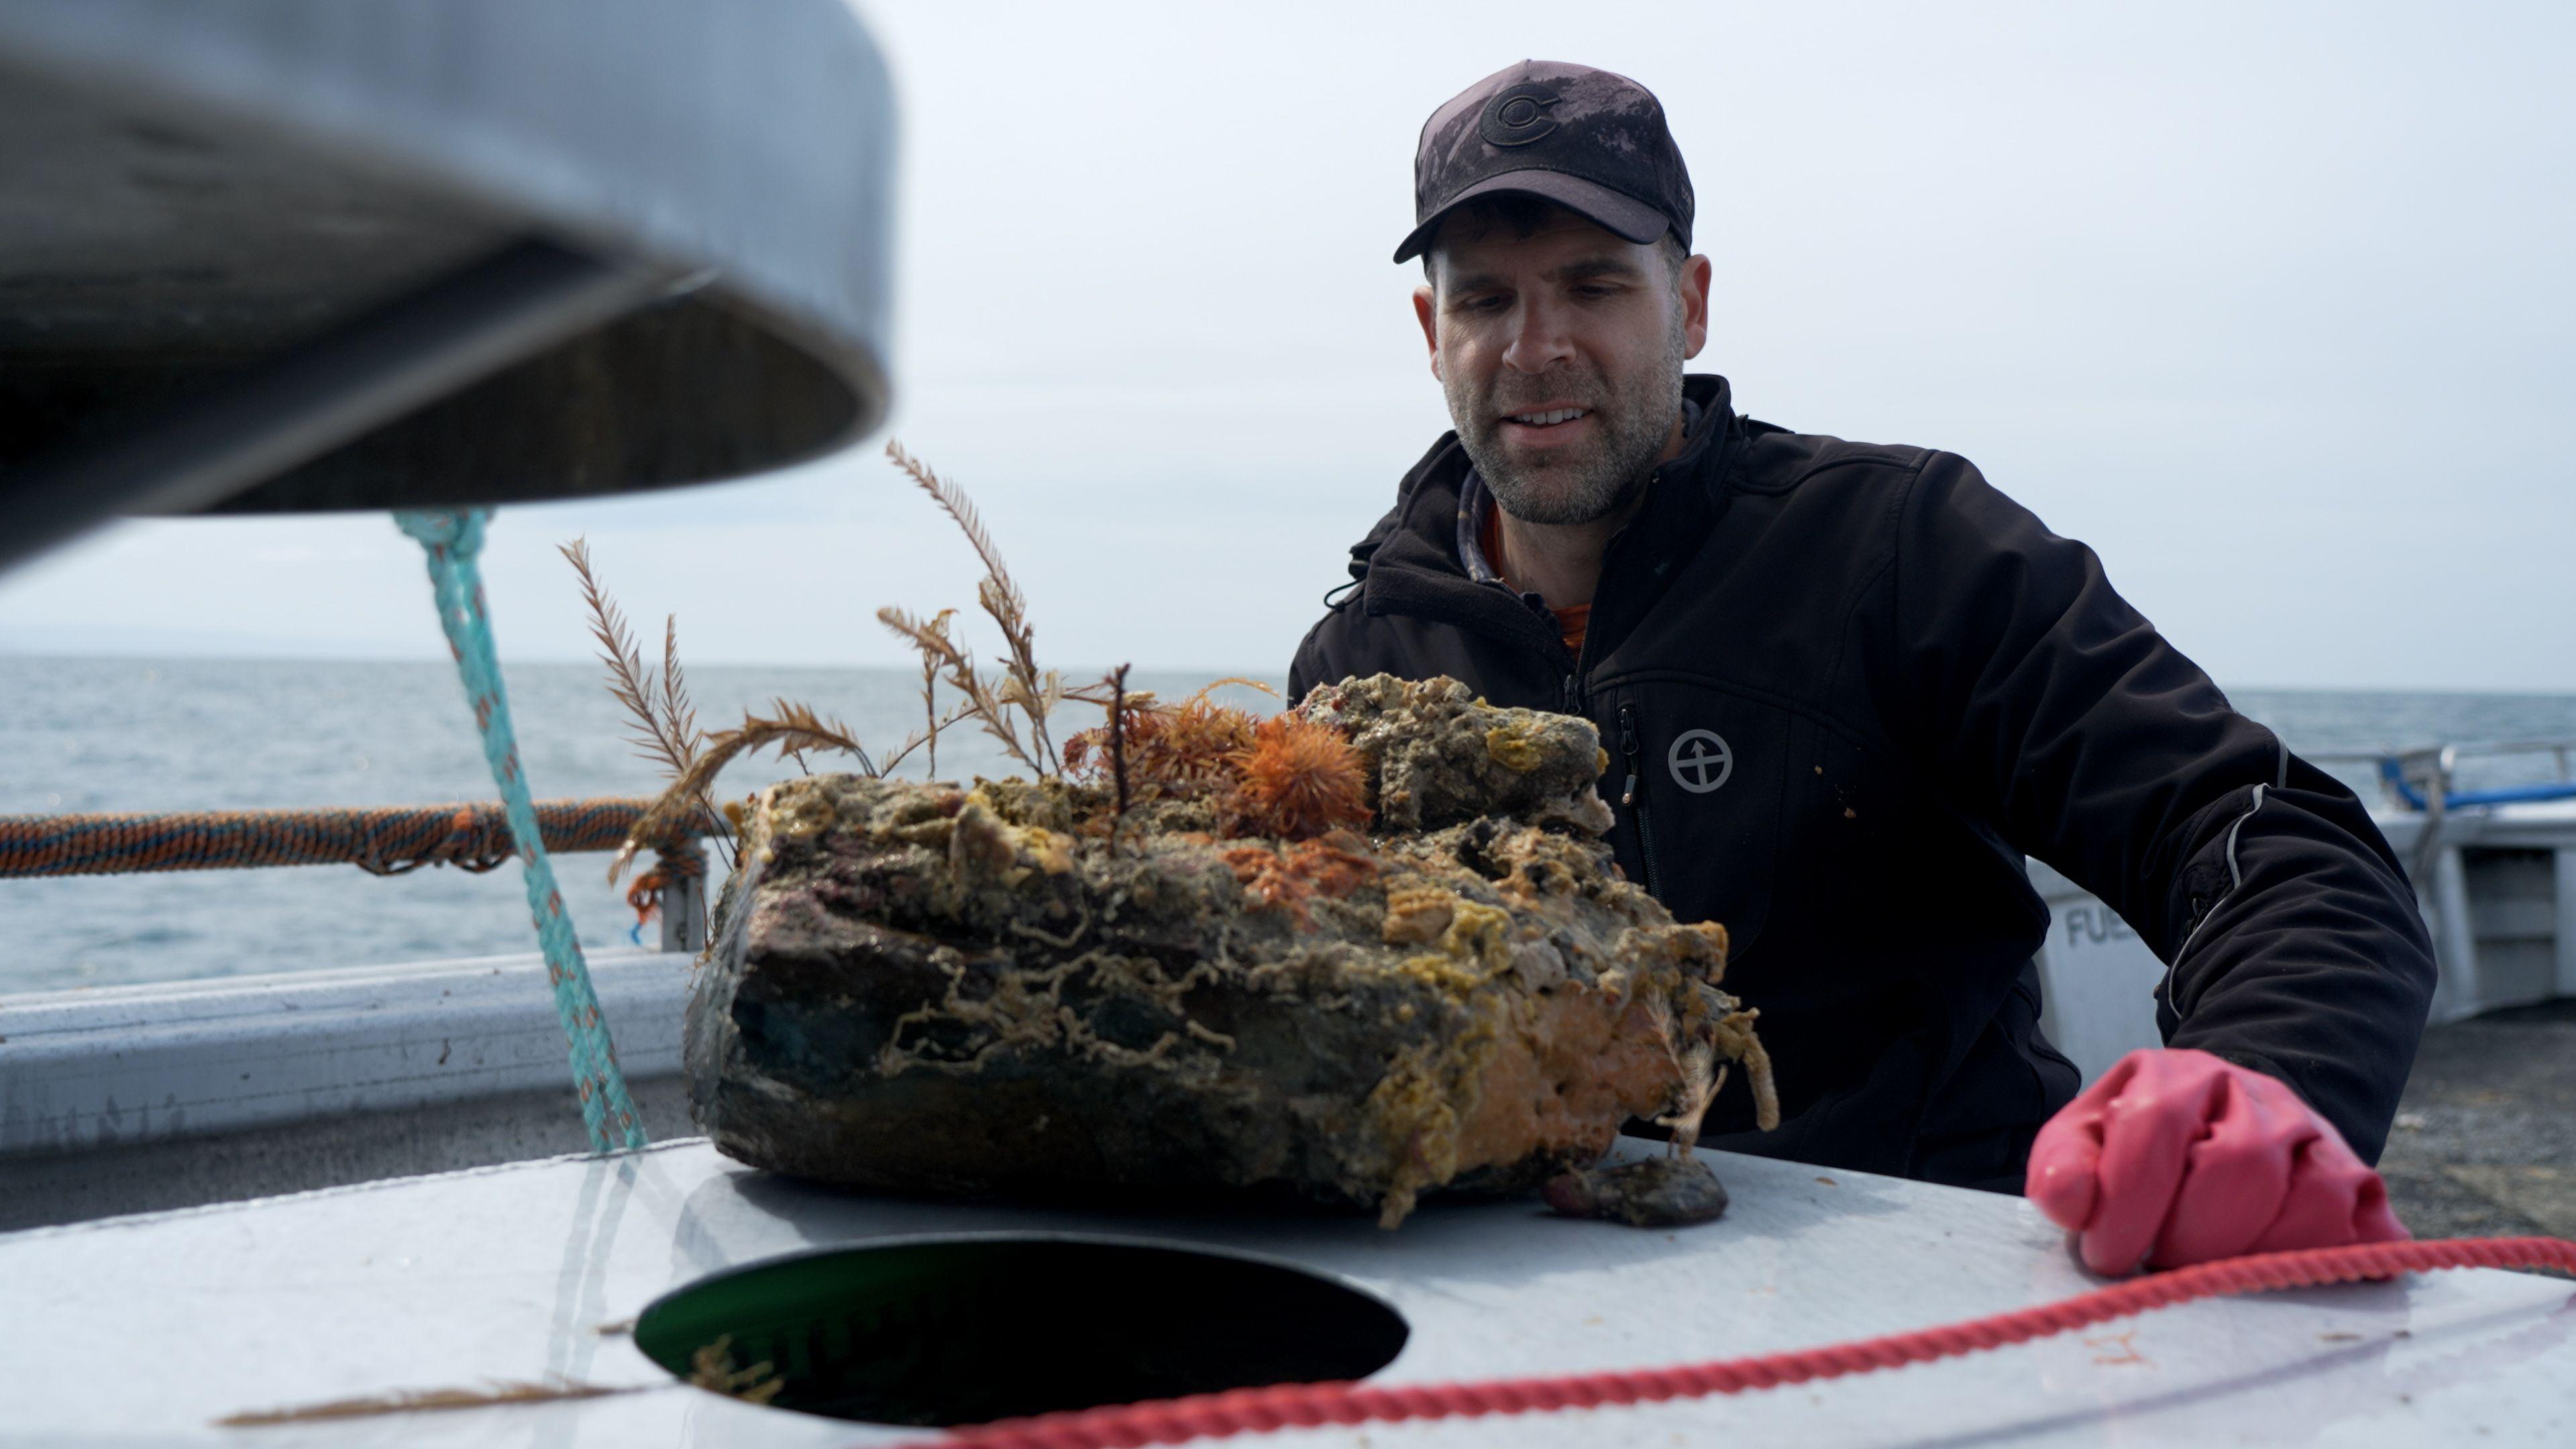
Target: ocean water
(142,735)
(138,735)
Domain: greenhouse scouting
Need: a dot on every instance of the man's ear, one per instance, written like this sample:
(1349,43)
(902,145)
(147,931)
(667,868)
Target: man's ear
(1424,313)
(1694,281)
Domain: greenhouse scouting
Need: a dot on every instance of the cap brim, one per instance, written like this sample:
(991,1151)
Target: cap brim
(1618,211)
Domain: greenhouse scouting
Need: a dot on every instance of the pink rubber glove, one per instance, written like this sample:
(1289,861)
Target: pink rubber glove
(2177,1157)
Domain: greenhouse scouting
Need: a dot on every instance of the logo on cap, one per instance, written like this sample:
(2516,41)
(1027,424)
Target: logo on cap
(1517,116)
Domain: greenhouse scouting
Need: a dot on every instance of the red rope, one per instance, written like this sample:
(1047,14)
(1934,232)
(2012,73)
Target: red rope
(1254,1411)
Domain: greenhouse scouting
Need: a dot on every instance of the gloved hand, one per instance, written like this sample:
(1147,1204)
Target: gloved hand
(2177,1157)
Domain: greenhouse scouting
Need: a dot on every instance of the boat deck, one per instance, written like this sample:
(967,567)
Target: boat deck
(154,1327)
(2485,1143)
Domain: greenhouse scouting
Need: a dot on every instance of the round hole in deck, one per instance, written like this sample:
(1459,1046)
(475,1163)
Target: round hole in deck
(964,1330)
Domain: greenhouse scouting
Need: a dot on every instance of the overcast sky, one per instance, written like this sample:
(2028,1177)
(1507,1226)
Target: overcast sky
(2273,305)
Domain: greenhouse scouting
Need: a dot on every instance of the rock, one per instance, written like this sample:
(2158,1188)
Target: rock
(989,990)
(1439,755)
(1651,1192)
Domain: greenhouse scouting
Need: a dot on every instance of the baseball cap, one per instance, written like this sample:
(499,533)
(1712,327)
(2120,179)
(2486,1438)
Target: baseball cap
(1588,140)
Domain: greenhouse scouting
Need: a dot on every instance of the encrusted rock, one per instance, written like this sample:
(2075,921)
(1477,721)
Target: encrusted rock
(1011,988)
(1651,1192)
(1437,754)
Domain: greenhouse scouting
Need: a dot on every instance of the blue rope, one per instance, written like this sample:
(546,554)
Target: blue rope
(2393,770)
(452,540)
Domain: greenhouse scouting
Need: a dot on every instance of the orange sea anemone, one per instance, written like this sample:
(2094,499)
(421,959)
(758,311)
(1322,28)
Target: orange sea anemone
(1174,751)
(1298,779)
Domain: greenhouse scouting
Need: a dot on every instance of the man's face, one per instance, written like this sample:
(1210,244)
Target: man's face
(1561,353)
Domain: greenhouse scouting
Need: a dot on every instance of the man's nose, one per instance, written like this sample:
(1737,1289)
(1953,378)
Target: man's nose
(1539,339)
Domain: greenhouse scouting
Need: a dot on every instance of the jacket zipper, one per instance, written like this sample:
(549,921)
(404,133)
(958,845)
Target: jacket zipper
(1633,795)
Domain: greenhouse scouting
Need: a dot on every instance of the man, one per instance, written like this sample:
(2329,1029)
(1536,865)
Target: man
(1845,689)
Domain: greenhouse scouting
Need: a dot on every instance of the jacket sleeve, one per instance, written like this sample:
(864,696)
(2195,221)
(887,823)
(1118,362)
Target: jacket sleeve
(1305,669)
(2051,708)
(1323,655)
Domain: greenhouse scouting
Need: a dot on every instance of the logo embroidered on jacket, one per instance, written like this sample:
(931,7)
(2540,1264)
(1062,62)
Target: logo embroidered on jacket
(1517,116)
(1700,760)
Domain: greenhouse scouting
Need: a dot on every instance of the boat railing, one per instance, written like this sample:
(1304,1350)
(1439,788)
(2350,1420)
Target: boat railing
(2424,778)
(2423,782)
(388,840)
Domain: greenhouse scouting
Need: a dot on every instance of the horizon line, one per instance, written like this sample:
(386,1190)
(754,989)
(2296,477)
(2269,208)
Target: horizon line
(15,652)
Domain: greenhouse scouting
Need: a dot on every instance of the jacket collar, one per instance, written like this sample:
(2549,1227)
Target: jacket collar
(1409,563)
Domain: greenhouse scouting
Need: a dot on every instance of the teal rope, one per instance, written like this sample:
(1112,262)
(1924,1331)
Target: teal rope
(452,540)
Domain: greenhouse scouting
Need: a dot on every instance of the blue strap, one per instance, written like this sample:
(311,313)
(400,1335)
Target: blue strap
(452,540)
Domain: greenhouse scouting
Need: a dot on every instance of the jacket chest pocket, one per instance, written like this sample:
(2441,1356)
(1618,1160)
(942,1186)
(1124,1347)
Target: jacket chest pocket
(1697,778)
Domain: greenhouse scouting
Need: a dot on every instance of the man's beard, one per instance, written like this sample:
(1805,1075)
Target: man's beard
(1572,485)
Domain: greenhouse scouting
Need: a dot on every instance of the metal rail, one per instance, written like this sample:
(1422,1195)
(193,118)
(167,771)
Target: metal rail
(392,840)
(2420,779)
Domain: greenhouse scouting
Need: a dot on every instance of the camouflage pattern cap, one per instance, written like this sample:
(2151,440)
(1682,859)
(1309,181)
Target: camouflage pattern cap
(1585,139)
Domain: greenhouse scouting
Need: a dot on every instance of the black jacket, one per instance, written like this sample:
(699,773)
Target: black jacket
(1888,682)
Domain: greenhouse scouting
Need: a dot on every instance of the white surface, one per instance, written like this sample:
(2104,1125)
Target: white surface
(149,1328)
(2097,979)
(83,1069)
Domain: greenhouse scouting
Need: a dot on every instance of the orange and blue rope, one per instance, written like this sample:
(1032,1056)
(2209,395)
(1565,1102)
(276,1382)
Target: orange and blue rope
(385,840)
